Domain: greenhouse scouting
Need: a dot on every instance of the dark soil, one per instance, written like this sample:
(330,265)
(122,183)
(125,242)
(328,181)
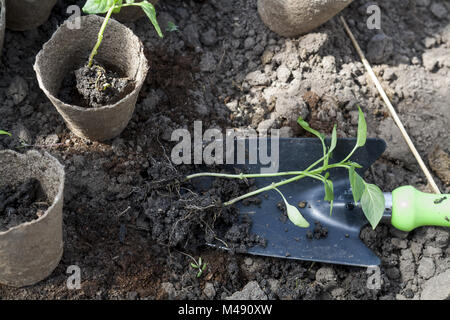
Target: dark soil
(21,203)
(113,229)
(319,232)
(188,215)
(94,87)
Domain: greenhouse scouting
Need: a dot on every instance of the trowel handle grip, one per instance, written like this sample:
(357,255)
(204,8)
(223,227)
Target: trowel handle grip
(412,209)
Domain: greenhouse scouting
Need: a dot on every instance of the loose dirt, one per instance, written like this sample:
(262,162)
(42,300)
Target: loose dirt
(225,68)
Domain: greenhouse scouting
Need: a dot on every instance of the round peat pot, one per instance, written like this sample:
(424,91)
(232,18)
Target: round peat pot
(28,14)
(30,251)
(2,24)
(290,18)
(131,13)
(70,48)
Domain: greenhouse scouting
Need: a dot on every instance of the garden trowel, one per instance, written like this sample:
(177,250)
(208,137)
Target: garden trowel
(406,207)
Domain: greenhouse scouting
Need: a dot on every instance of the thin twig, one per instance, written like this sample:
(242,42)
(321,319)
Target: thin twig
(392,111)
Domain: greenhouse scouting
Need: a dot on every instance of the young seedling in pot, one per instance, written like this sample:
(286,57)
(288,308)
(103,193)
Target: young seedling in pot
(101,84)
(371,197)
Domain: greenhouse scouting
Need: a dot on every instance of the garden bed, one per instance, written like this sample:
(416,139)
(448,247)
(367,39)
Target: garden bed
(226,68)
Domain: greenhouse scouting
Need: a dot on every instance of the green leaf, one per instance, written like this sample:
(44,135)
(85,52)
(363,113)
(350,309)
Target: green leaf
(149,10)
(362,129)
(293,214)
(357,183)
(118,3)
(305,126)
(373,204)
(194,266)
(5,133)
(98,6)
(199,274)
(199,261)
(204,267)
(332,146)
(329,190)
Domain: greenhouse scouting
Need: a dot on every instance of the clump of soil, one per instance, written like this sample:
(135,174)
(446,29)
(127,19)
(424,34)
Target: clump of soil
(319,232)
(191,214)
(94,87)
(21,203)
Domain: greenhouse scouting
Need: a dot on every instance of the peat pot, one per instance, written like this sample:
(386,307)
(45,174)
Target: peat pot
(28,14)
(30,251)
(2,24)
(291,18)
(131,13)
(68,49)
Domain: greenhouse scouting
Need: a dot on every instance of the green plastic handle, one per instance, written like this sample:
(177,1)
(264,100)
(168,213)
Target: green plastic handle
(412,209)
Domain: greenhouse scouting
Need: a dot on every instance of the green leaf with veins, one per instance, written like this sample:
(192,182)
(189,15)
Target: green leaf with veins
(357,183)
(362,129)
(149,10)
(373,204)
(98,6)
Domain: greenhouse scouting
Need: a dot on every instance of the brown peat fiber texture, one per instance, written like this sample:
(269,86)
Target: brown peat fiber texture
(67,49)
(290,18)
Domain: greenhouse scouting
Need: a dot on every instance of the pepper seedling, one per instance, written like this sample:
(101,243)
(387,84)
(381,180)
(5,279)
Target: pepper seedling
(114,6)
(371,197)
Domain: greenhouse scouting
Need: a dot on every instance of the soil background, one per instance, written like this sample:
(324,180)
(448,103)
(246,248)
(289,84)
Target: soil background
(224,67)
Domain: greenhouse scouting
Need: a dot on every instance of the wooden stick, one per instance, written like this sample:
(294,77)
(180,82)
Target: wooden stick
(391,109)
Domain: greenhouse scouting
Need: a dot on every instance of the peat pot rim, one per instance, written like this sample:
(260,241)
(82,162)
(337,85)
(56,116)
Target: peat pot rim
(59,194)
(143,63)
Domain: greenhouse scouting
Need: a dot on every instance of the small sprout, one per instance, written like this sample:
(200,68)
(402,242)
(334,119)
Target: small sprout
(172,27)
(5,133)
(199,266)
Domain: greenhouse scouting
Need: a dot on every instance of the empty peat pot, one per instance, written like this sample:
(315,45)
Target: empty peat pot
(290,18)
(30,251)
(2,24)
(131,13)
(27,14)
(70,48)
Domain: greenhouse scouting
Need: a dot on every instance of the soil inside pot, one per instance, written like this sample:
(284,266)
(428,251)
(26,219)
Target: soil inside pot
(21,203)
(95,87)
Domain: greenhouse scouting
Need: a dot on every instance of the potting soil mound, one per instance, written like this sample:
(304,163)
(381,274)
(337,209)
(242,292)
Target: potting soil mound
(94,87)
